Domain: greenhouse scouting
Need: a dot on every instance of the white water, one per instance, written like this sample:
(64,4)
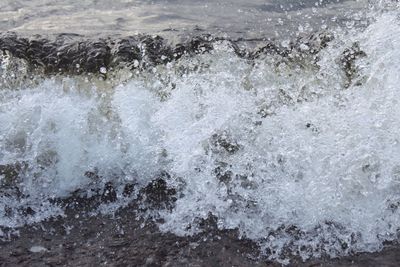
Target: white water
(326,159)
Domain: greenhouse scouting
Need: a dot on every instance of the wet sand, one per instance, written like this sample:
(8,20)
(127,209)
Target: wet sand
(82,240)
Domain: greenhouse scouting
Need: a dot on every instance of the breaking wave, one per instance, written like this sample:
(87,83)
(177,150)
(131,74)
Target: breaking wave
(296,145)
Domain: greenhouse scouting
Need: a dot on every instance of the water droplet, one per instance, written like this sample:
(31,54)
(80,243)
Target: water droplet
(103,70)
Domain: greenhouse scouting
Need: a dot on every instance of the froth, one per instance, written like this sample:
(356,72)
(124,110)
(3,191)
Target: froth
(300,154)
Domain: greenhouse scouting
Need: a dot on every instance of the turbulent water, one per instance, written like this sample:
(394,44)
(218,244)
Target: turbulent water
(300,151)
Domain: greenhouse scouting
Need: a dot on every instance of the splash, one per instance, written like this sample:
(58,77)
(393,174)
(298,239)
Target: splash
(298,151)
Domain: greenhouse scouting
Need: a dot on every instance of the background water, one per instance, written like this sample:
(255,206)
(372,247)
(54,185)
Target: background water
(236,18)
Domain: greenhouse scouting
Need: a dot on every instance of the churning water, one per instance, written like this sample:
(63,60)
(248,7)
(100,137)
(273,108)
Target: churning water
(299,151)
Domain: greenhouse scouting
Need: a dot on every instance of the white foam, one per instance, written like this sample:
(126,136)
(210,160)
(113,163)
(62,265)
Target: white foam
(319,173)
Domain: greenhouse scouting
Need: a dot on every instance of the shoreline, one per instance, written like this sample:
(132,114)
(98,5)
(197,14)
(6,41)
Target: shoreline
(83,236)
(79,239)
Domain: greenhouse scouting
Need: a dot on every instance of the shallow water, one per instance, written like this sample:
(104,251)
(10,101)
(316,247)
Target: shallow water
(237,18)
(298,150)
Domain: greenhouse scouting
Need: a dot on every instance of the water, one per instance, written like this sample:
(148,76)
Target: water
(251,19)
(299,152)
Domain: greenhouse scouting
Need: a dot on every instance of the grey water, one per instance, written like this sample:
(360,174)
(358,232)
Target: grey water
(234,18)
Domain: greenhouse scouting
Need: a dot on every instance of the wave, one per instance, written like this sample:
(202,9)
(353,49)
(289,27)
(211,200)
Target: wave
(293,144)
